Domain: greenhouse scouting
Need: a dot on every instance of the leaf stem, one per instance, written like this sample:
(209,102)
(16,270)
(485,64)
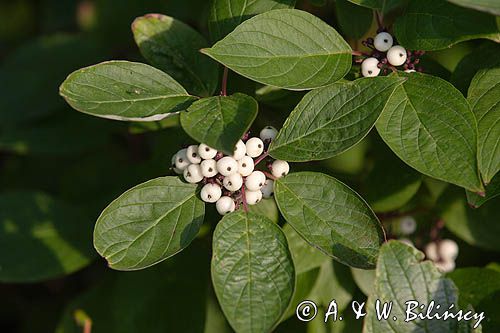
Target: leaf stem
(223,91)
(380,19)
(261,157)
(268,175)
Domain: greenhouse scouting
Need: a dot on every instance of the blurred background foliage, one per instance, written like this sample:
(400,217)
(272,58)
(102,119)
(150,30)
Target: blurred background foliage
(60,168)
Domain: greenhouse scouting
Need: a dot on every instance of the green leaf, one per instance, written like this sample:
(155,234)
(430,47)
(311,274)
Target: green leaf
(403,276)
(225,15)
(353,20)
(285,48)
(492,191)
(149,223)
(252,271)
(488,6)
(384,6)
(429,125)
(364,279)
(435,25)
(123,90)
(220,121)
(484,99)
(173,46)
(475,284)
(163,291)
(42,238)
(330,216)
(478,227)
(332,119)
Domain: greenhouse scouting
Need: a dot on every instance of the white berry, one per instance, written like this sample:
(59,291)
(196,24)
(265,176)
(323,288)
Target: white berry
(255,147)
(396,55)
(280,168)
(268,188)
(448,249)
(233,182)
(192,174)
(253,197)
(407,225)
(176,170)
(206,152)
(369,67)
(181,160)
(239,150)
(383,41)
(208,168)
(446,266)
(192,154)
(255,181)
(245,166)
(225,205)
(268,133)
(210,193)
(227,166)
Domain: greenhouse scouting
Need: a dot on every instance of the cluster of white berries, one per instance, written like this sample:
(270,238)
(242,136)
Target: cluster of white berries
(443,253)
(395,55)
(231,181)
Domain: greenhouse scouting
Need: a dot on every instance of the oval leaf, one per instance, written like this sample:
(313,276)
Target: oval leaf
(434,25)
(252,271)
(123,90)
(220,121)
(225,15)
(345,11)
(330,120)
(429,125)
(42,238)
(285,48)
(149,223)
(173,46)
(488,6)
(401,277)
(484,99)
(330,216)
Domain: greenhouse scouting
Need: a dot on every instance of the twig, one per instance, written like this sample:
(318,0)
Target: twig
(268,175)
(223,91)
(380,19)
(260,158)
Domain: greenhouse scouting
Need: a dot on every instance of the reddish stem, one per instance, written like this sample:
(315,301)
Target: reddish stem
(380,19)
(244,199)
(87,326)
(359,53)
(268,175)
(223,91)
(260,158)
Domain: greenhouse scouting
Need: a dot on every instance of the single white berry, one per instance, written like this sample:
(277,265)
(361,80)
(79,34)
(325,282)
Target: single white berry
(396,55)
(206,152)
(245,166)
(239,150)
(210,193)
(407,225)
(431,251)
(192,174)
(192,154)
(446,266)
(253,197)
(448,249)
(227,166)
(268,188)
(208,168)
(383,41)
(233,182)
(176,170)
(410,71)
(369,67)
(280,168)
(181,160)
(255,181)
(268,133)
(255,147)
(225,205)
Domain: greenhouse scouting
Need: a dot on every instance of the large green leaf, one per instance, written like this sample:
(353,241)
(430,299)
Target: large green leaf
(285,48)
(434,25)
(429,125)
(484,99)
(123,90)
(354,28)
(330,216)
(42,238)
(149,223)
(475,284)
(252,271)
(401,277)
(173,47)
(488,6)
(383,5)
(153,300)
(220,121)
(478,227)
(330,120)
(225,15)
